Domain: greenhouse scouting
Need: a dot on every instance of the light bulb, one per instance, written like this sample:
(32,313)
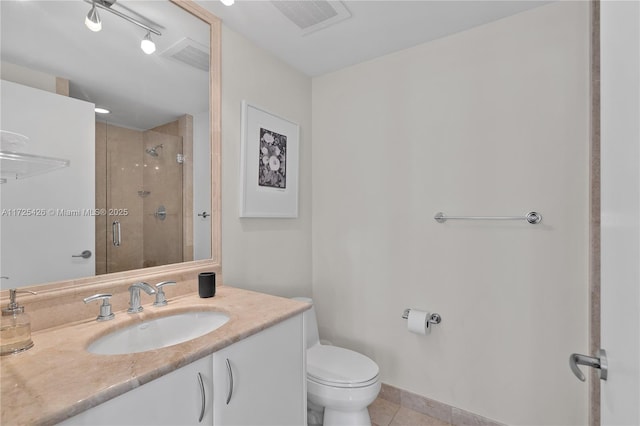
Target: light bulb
(147,45)
(227,2)
(92,21)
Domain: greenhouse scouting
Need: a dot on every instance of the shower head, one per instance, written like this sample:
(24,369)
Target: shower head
(153,151)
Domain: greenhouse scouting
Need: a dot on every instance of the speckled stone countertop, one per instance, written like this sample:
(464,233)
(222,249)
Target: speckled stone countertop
(58,378)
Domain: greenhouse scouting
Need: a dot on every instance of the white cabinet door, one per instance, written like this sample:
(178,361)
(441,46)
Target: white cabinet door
(261,380)
(174,399)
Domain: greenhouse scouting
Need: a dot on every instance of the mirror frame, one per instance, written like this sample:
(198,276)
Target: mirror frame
(190,269)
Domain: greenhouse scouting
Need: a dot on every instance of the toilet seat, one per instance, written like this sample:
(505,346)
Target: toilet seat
(339,367)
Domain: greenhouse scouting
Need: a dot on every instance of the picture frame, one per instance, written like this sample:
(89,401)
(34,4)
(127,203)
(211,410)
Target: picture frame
(269,157)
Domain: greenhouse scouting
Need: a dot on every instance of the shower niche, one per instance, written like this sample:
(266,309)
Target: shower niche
(138,175)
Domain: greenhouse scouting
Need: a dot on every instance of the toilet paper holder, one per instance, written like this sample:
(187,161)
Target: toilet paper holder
(434,319)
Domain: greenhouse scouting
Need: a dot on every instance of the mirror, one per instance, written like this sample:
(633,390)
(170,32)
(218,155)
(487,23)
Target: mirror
(132,187)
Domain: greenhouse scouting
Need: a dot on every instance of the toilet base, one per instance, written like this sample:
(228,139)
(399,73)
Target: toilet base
(344,418)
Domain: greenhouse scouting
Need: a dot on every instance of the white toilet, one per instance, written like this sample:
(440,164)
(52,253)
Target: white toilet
(341,381)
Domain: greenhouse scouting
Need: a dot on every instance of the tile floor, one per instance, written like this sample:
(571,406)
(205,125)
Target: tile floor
(386,413)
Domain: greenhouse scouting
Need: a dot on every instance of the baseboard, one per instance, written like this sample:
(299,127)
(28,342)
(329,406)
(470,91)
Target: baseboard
(447,413)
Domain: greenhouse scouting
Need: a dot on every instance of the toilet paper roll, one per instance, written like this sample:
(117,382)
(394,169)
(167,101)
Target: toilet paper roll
(418,322)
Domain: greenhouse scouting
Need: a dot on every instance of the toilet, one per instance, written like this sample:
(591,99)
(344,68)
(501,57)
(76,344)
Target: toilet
(340,381)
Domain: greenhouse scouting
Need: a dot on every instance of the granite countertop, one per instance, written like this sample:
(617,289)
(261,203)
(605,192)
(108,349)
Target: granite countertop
(58,378)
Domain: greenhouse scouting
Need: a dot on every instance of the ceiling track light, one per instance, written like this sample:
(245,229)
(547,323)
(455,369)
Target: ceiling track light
(94,24)
(227,2)
(92,21)
(147,45)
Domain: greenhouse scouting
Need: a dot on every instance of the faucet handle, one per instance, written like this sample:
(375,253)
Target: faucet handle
(105,308)
(161,300)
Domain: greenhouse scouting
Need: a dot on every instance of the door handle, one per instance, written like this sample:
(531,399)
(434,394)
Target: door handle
(85,254)
(599,362)
(115,230)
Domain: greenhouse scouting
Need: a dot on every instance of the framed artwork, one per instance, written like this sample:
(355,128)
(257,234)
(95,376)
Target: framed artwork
(269,156)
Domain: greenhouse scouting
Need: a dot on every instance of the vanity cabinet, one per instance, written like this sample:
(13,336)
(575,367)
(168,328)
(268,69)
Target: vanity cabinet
(256,381)
(173,399)
(261,380)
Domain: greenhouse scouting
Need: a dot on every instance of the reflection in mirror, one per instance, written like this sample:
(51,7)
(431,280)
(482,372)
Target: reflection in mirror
(128,193)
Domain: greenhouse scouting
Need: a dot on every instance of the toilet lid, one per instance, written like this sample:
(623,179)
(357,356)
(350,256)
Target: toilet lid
(339,365)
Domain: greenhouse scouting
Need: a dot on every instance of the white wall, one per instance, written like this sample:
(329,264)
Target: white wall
(28,77)
(269,255)
(491,121)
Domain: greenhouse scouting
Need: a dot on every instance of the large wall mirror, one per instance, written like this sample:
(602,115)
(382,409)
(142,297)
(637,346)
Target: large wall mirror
(88,193)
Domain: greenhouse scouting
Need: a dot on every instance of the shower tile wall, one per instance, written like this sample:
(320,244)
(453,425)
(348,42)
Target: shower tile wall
(163,179)
(183,128)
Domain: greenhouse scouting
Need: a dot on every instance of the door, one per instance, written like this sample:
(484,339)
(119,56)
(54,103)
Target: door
(261,380)
(620,162)
(57,204)
(182,397)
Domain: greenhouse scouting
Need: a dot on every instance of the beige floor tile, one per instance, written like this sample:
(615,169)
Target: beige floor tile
(382,412)
(406,417)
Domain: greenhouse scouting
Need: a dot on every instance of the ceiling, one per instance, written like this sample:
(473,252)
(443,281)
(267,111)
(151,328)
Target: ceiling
(143,91)
(375,28)
(108,68)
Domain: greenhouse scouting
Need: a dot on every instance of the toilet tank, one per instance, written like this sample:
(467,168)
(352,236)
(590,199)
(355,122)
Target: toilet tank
(310,323)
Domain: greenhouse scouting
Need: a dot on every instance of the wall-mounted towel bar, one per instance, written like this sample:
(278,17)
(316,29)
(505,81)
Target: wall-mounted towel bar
(531,217)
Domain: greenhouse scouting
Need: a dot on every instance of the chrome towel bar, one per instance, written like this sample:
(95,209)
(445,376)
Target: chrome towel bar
(531,217)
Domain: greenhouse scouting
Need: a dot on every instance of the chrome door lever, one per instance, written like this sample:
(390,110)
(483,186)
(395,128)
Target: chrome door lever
(599,362)
(86,254)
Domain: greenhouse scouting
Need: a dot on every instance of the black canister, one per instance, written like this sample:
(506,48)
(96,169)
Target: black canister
(207,284)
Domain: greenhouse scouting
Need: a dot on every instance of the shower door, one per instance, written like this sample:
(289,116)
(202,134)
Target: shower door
(119,168)
(139,190)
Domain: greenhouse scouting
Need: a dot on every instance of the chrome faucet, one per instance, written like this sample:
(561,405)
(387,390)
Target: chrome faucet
(105,308)
(134,290)
(161,299)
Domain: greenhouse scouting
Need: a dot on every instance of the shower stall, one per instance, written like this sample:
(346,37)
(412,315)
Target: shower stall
(140,192)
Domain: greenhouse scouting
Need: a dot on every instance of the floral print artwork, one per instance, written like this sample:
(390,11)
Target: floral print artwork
(272,159)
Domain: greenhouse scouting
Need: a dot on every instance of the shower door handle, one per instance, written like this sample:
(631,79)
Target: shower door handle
(599,362)
(116,231)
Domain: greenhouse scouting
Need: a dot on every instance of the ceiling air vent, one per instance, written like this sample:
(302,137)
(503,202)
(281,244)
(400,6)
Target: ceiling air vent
(189,52)
(312,15)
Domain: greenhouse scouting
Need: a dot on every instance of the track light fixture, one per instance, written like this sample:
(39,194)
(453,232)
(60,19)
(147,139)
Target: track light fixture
(92,21)
(147,45)
(94,24)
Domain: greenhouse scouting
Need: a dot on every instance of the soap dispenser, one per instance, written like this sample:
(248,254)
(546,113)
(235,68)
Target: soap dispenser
(15,326)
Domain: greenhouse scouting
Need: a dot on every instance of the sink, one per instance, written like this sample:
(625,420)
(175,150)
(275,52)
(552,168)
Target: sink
(158,333)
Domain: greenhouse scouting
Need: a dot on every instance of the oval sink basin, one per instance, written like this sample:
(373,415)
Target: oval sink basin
(158,333)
